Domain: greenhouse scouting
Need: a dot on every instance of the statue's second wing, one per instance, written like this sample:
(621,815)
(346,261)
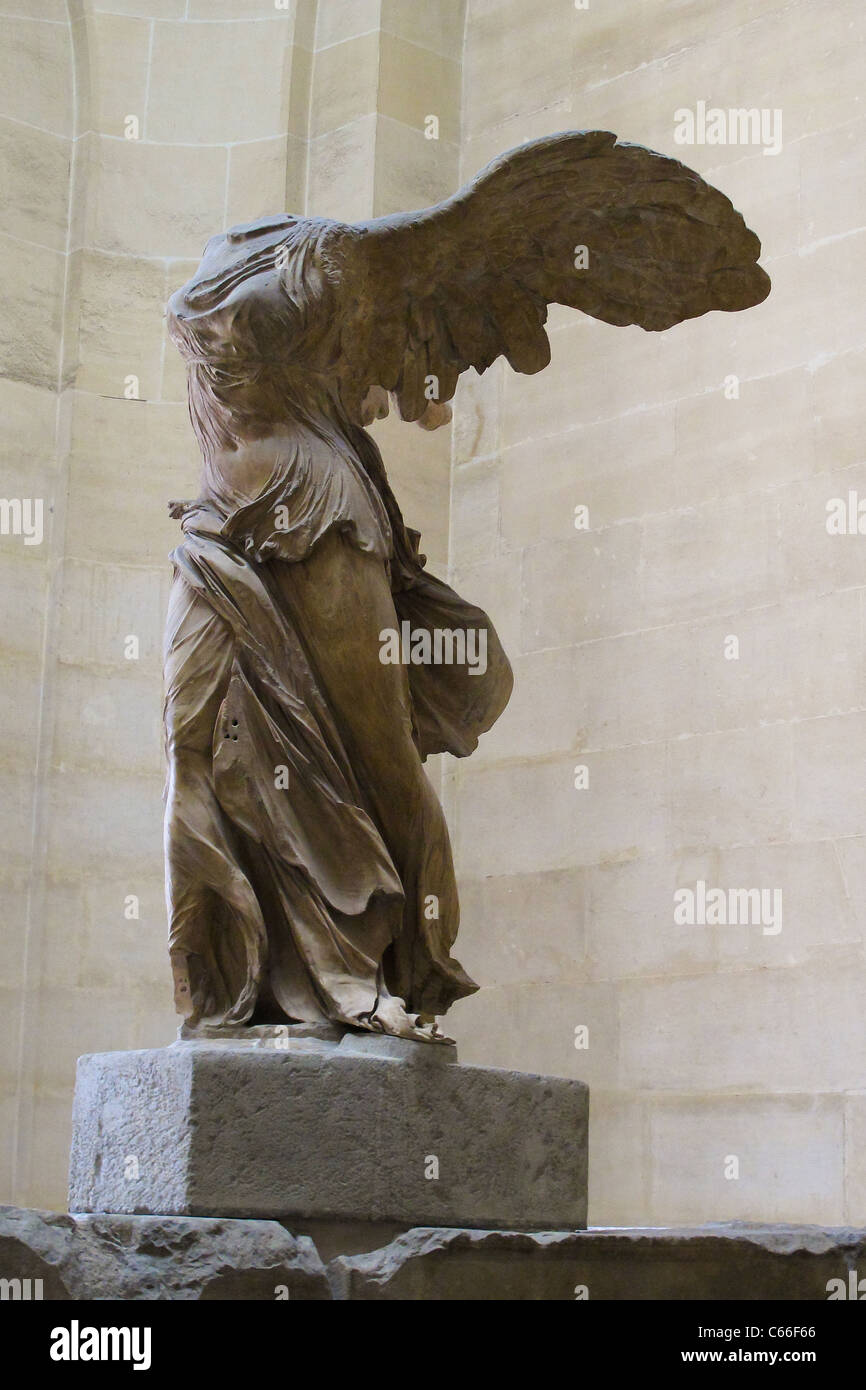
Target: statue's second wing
(432,293)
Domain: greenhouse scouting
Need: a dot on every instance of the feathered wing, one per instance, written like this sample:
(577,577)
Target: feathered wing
(432,293)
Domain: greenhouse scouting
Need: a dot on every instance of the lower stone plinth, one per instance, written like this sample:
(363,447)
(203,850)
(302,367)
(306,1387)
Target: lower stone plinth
(344,1130)
(139,1258)
(725,1262)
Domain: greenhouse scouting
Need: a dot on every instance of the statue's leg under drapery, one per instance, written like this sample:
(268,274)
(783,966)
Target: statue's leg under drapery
(340,601)
(217,935)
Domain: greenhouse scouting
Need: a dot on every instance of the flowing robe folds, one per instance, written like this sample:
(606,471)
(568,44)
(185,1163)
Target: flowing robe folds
(284,897)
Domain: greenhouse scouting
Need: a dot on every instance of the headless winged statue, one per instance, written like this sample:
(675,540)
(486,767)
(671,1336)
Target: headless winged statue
(309,870)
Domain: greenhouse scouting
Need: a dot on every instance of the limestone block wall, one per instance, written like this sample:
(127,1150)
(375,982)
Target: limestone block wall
(36,129)
(727,1065)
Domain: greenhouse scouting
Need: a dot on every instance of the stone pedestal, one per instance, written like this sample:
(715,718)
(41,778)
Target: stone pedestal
(312,1127)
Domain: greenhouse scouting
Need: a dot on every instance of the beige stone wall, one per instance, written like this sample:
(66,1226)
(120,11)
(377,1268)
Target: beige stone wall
(36,128)
(707,519)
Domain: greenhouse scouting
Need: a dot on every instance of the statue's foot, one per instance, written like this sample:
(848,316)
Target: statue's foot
(390,1017)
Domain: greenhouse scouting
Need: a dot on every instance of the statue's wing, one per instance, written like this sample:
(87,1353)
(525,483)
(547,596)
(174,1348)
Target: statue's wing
(428,294)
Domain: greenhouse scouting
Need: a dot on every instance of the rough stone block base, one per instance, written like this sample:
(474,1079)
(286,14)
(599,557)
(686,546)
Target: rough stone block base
(351,1129)
(138,1258)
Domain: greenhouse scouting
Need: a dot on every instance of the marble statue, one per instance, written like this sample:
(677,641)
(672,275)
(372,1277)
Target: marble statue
(309,871)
